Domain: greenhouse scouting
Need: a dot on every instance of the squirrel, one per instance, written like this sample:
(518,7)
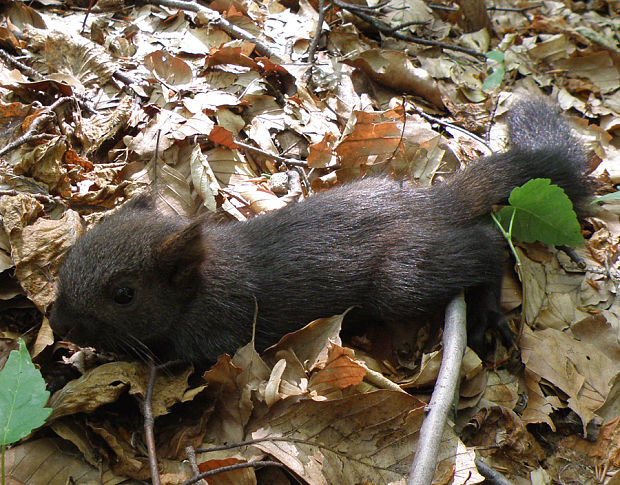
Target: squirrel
(150,284)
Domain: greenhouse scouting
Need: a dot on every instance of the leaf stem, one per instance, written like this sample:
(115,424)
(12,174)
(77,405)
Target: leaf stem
(508,237)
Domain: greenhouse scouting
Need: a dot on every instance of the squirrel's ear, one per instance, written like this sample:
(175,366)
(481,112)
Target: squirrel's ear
(180,255)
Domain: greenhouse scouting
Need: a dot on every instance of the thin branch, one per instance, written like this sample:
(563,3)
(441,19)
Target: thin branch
(23,68)
(191,456)
(431,432)
(317,33)
(255,441)
(388,30)
(492,476)
(37,124)
(288,161)
(454,127)
(404,25)
(149,423)
(238,466)
(515,9)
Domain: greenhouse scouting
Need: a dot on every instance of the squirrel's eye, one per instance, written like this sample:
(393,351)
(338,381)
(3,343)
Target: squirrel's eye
(123,295)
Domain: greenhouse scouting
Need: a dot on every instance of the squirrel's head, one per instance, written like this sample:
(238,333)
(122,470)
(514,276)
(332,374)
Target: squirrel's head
(123,285)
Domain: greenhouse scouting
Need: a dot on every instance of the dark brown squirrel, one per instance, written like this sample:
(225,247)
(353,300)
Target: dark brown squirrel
(145,282)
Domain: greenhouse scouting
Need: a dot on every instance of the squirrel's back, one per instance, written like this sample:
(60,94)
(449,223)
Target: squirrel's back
(189,290)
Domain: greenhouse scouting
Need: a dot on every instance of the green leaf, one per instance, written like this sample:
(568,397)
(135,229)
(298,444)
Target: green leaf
(22,397)
(497,56)
(543,212)
(495,79)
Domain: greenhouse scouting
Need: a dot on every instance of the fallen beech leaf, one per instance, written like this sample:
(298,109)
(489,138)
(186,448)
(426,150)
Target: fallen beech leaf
(104,384)
(578,368)
(340,371)
(362,437)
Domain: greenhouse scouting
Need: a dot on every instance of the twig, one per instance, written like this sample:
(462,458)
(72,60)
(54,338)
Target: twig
(386,29)
(449,8)
(317,33)
(288,161)
(454,343)
(492,477)
(191,456)
(35,126)
(32,74)
(454,127)
(238,466)
(216,20)
(404,25)
(255,441)
(23,68)
(43,198)
(364,8)
(149,422)
(379,380)
(446,8)
(515,9)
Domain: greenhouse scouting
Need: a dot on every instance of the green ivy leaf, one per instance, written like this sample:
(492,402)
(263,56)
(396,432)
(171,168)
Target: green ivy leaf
(542,212)
(22,397)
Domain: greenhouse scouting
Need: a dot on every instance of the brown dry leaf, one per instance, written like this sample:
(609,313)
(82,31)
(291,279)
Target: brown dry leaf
(36,251)
(395,70)
(237,55)
(51,462)
(502,388)
(539,404)
(12,116)
(322,154)
(18,211)
(578,368)
(429,368)
(340,371)
(228,166)
(77,61)
(259,200)
(105,383)
(45,163)
(204,179)
(310,343)
(171,69)
(167,127)
(24,16)
(45,338)
(127,459)
(362,437)
(600,333)
(99,129)
(597,67)
(371,135)
(499,433)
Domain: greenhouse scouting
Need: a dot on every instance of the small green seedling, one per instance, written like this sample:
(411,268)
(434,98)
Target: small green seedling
(22,399)
(494,80)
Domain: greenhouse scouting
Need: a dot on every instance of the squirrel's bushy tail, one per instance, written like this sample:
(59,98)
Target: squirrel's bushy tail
(541,145)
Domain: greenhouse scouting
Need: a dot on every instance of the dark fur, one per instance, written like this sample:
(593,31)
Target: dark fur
(394,251)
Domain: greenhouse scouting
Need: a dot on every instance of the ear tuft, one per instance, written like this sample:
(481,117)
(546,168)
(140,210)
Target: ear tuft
(181,254)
